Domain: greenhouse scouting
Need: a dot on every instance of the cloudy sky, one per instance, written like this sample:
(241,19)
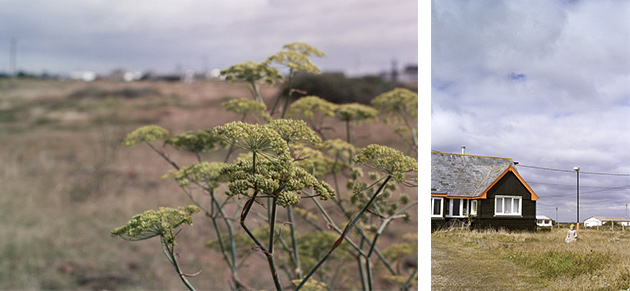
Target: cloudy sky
(359,36)
(546,83)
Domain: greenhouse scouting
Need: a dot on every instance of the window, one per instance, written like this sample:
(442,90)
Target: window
(473,207)
(507,205)
(436,207)
(457,208)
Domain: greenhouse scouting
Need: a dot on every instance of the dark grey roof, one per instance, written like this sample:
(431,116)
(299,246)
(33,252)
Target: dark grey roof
(465,175)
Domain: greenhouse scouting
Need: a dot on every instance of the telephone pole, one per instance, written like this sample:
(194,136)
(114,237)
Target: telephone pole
(577,170)
(557,222)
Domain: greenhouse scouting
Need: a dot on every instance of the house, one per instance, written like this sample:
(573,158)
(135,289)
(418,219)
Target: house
(544,221)
(600,220)
(488,191)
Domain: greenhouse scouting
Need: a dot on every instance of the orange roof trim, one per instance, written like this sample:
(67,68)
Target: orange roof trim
(534,197)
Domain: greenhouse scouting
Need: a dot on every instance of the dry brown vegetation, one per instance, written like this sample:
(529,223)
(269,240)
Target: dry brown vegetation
(65,182)
(499,260)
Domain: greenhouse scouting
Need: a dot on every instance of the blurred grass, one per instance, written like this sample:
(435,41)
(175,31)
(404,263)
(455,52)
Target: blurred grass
(65,182)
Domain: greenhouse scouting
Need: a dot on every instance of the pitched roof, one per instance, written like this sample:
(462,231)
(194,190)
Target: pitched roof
(459,175)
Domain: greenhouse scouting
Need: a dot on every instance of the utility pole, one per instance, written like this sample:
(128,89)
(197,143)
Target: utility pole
(557,222)
(577,170)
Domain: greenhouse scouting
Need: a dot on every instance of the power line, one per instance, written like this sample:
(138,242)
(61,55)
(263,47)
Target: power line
(571,171)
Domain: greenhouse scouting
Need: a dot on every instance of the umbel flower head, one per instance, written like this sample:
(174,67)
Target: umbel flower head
(279,178)
(387,160)
(312,160)
(246,106)
(355,112)
(145,134)
(153,223)
(294,131)
(308,106)
(252,137)
(296,56)
(196,141)
(209,172)
(399,100)
(253,72)
(304,49)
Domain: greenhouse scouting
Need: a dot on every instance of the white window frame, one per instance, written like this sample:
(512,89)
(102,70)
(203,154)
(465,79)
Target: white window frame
(504,198)
(463,208)
(441,206)
(473,207)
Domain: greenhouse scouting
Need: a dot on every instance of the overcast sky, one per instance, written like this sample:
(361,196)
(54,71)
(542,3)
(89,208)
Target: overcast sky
(546,83)
(359,36)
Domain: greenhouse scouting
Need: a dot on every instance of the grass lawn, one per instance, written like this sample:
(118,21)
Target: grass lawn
(491,260)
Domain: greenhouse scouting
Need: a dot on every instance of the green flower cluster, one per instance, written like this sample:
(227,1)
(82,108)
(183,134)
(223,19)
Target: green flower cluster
(355,112)
(312,160)
(278,178)
(156,223)
(308,106)
(144,134)
(246,106)
(339,148)
(294,131)
(296,56)
(387,160)
(304,49)
(253,72)
(399,100)
(252,137)
(209,172)
(196,141)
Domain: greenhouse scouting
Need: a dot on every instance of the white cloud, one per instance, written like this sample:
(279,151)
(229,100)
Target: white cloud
(545,83)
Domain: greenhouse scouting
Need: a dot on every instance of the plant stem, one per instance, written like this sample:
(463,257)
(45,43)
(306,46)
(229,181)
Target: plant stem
(258,98)
(170,252)
(406,284)
(345,232)
(296,255)
(286,104)
(412,130)
(269,252)
(362,271)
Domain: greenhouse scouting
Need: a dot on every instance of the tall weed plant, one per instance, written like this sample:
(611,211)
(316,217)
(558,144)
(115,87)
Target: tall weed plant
(273,167)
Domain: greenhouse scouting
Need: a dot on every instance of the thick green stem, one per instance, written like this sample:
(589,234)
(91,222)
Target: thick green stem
(412,130)
(170,252)
(269,252)
(345,232)
(286,104)
(256,92)
(296,255)
(362,271)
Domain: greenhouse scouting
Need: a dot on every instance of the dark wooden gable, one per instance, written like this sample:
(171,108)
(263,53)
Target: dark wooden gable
(508,185)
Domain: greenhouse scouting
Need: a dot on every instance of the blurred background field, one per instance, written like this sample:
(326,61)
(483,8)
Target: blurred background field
(66,182)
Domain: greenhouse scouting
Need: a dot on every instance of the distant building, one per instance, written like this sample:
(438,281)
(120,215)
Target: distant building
(487,191)
(86,76)
(544,221)
(595,221)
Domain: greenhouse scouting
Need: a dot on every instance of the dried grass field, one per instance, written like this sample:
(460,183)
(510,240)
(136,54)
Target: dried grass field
(66,182)
(499,260)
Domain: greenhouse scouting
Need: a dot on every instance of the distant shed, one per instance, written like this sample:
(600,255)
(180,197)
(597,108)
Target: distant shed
(595,221)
